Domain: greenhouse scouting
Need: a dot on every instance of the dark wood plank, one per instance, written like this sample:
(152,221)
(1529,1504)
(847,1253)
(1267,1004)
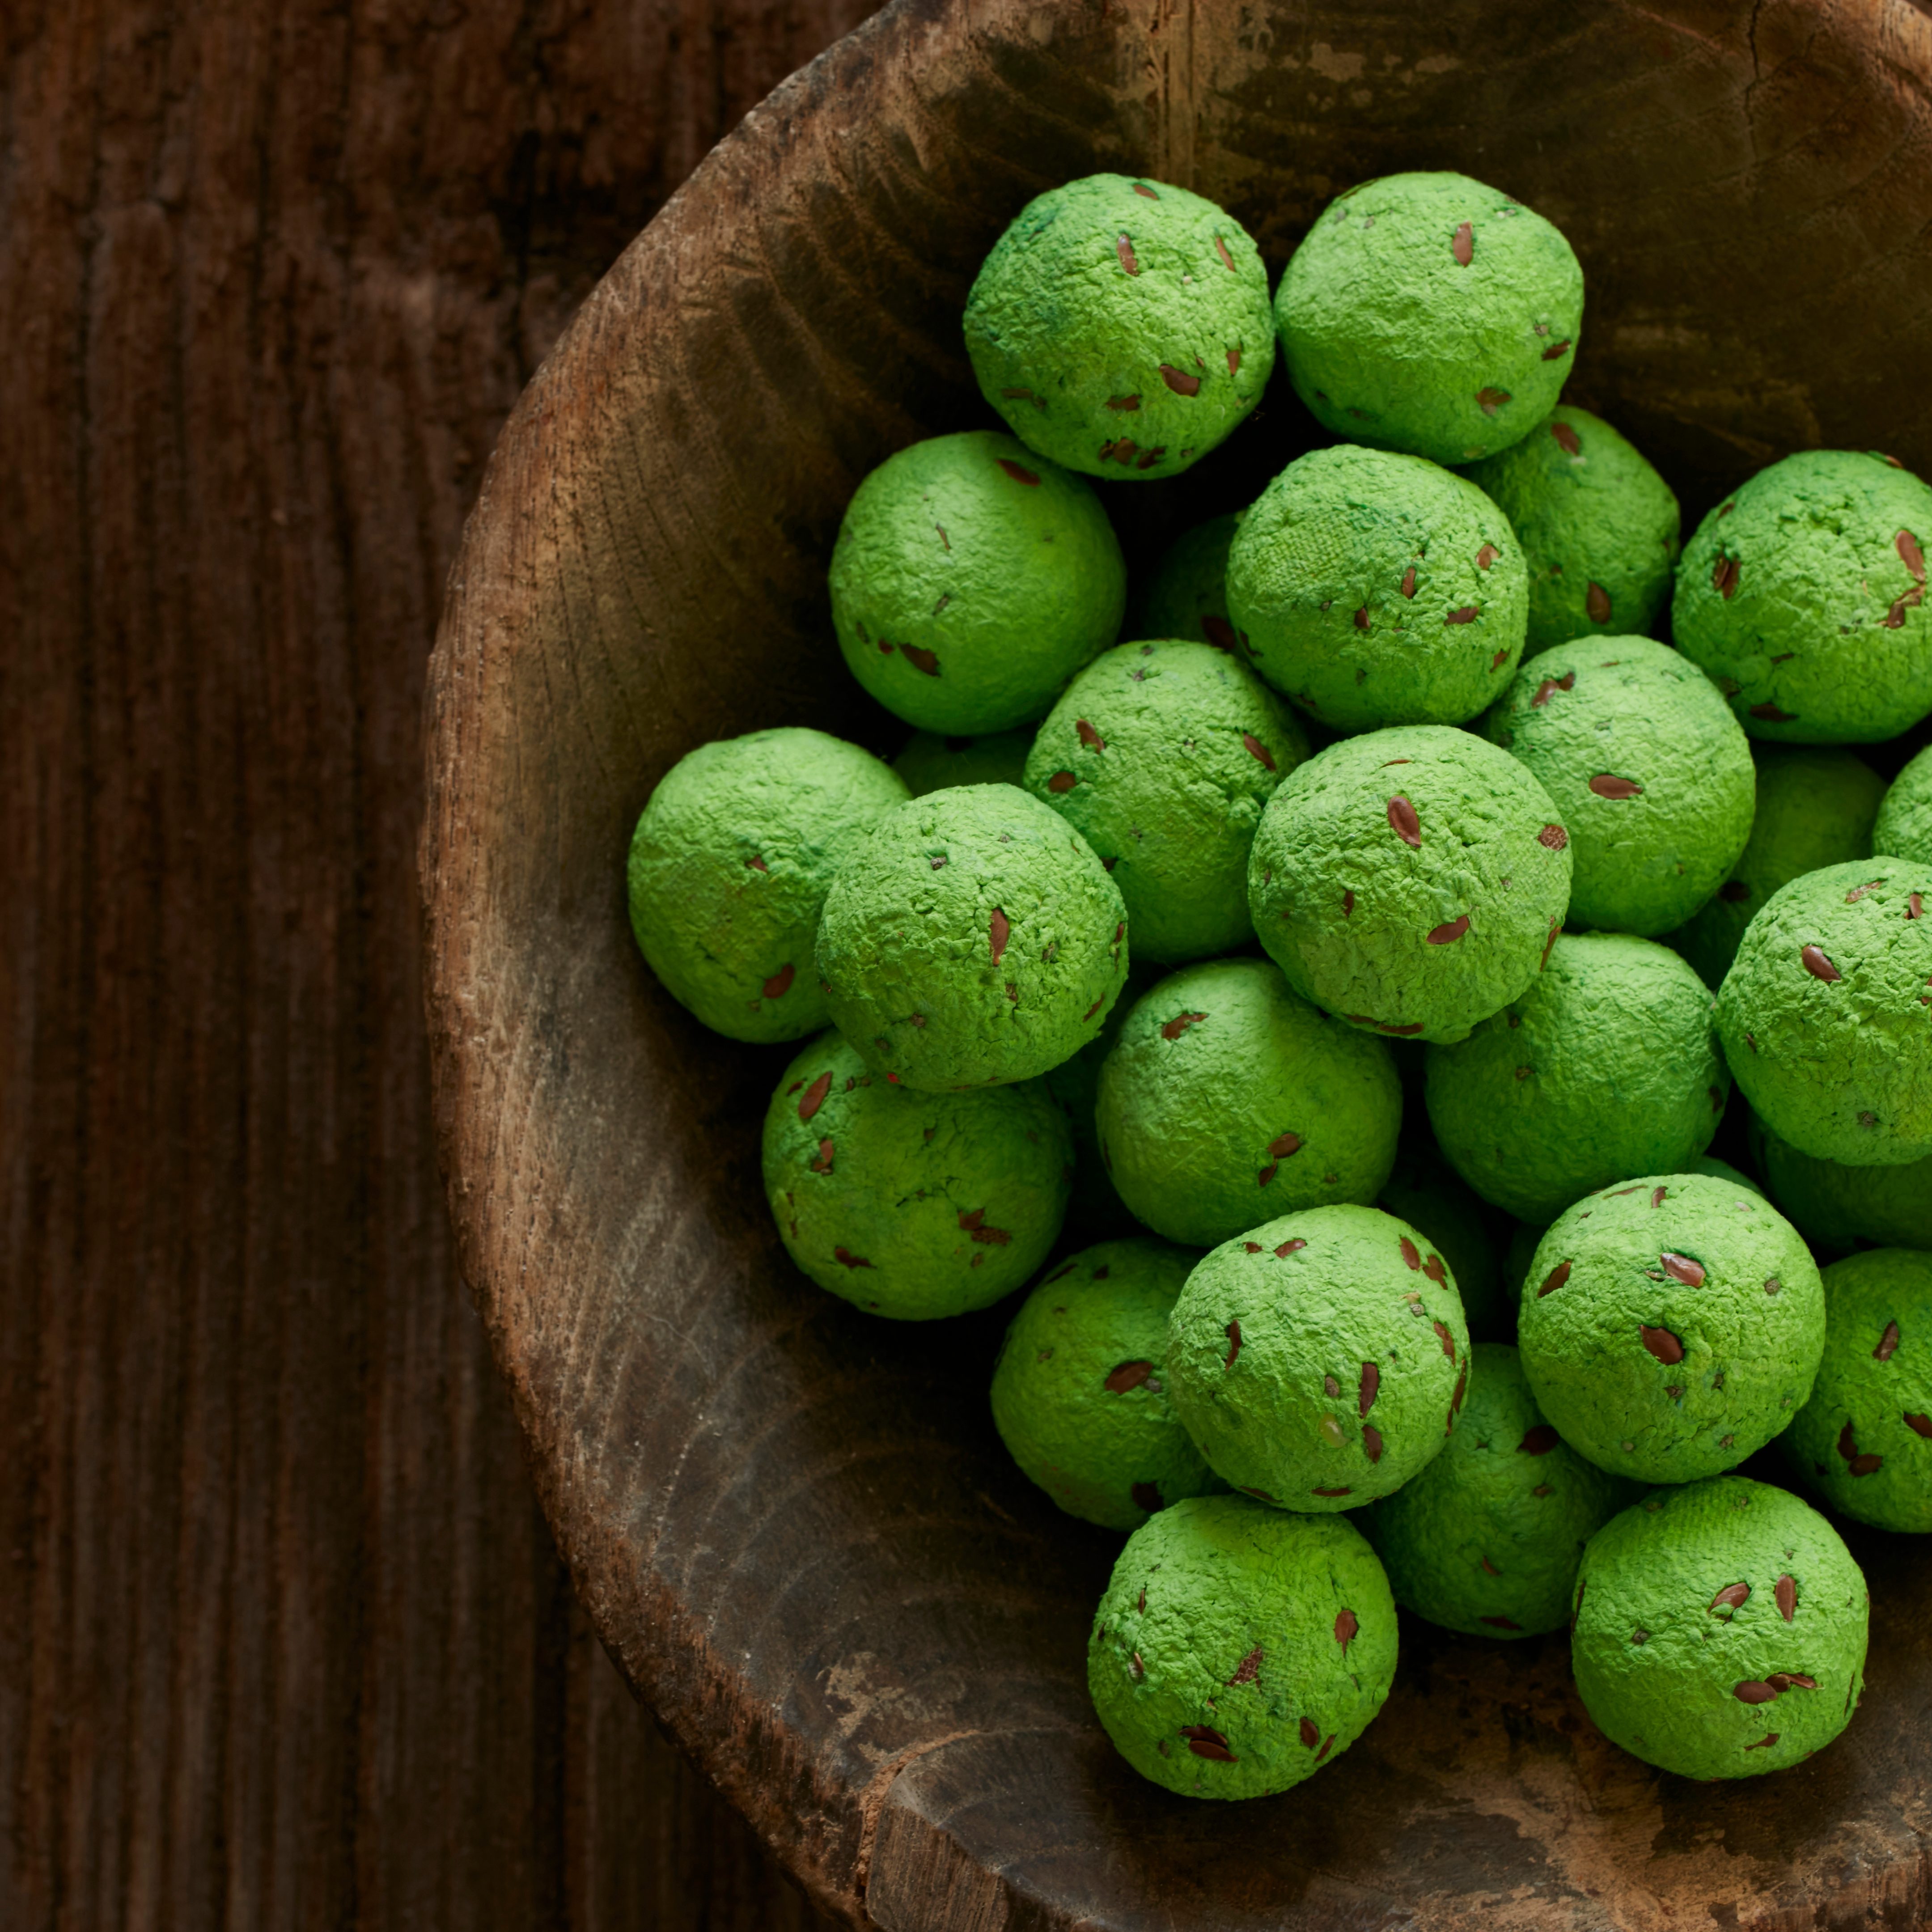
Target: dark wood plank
(795,1526)
(284,1642)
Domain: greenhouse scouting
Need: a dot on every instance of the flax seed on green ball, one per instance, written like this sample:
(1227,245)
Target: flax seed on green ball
(1320,1360)
(1671,1326)
(1650,773)
(1607,1065)
(912,1205)
(1826,1013)
(1430,313)
(1834,1206)
(1375,588)
(1597,526)
(729,867)
(1487,1539)
(1904,828)
(970,581)
(1803,596)
(1121,326)
(1162,756)
(1865,1439)
(971,937)
(1238,1649)
(1411,881)
(1720,1630)
(1079,1392)
(1227,1100)
(1815,807)
(932,763)
(1187,595)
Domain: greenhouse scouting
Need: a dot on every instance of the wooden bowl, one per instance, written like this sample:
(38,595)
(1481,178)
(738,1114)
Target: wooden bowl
(794,1525)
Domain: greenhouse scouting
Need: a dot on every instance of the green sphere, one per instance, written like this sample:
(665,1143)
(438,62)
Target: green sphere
(1826,1015)
(1227,1100)
(1430,314)
(1376,589)
(1411,881)
(1187,595)
(970,581)
(1802,595)
(1865,1439)
(729,868)
(1671,1326)
(1079,1392)
(1598,528)
(1903,829)
(1162,756)
(1425,1192)
(1487,1538)
(1833,1206)
(1720,1630)
(970,938)
(1238,1649)
(930,762)
(1651,775)
(1815,807)
(1121,326)
(912,1205)
(1320,1360)
(1607,1065)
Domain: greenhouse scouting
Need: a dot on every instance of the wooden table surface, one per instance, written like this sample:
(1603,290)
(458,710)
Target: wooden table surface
(283,1641)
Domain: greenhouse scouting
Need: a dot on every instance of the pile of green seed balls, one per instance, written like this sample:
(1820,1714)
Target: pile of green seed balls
(1439,1073)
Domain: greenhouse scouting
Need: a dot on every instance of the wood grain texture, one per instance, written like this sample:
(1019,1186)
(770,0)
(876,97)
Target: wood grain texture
(284,1642)
(794,1525)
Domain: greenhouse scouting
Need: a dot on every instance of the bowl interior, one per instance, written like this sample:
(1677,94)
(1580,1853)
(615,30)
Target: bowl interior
(794,1525)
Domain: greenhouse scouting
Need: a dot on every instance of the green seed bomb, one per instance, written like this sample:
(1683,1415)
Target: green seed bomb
(1121,326)
(930,762)
(912,1205)
(1430,314)
(1903,829)
(730,865)
(1375,588)
(970,581)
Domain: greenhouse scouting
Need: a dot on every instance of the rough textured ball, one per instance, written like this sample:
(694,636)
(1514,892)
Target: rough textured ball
(1238,1649)
(1162,756)
(1121,326)
(1430,313)
(1377,588)
(1720,1630)
(1187,595)
(970,581)
(1903,829)
(930,762)
(729,868)
(1671,1326)
(1650,775)
(1423,1190)
(912,1205)
(1803,596)
(971,937)
(1599,528)
(1411,881)
(1834,1206)
(1227,1100)
(1079,1391)
(1826,1014)
(1865,1439)
(1487,1538)
(1607,1065)
(1320,1360)
(1816,804)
